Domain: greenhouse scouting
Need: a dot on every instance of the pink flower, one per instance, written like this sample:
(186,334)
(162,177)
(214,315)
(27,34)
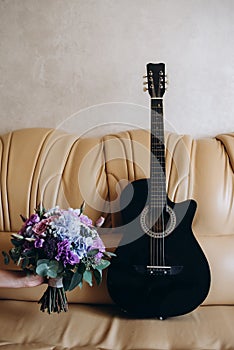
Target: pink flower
(100,221)
(41,227)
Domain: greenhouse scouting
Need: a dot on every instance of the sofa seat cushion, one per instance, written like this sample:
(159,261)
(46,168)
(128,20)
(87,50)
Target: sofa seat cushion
(103,327)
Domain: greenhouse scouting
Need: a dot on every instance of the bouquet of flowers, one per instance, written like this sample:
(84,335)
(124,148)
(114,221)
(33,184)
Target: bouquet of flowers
(62,246)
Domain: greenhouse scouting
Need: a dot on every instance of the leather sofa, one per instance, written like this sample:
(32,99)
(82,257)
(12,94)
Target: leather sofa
(58,168)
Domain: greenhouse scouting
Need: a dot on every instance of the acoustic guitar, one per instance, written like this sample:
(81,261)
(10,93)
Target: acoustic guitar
(160,270)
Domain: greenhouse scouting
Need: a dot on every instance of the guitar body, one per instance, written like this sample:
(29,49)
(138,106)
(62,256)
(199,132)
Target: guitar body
(160,294)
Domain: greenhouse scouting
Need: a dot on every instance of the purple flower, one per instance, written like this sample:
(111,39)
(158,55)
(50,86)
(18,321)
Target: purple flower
(71,258)
(50,247)
(85,220)
(65,255)
(33,219)
(98,244)
(26,229)
(27,246)
(98,257)
(39,243)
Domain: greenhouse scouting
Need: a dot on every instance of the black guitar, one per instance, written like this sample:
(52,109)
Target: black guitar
(159,269)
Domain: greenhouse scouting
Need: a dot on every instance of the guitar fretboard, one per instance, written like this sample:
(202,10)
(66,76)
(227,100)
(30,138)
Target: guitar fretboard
(157,168)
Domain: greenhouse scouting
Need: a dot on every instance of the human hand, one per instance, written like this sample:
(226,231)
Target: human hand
(19,279)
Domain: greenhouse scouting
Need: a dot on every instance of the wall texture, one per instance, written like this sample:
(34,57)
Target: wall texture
(78,64)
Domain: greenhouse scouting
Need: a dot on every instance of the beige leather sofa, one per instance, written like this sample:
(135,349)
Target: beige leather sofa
(57,168)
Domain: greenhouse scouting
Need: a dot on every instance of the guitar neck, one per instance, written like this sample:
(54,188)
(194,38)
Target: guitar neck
(157,164)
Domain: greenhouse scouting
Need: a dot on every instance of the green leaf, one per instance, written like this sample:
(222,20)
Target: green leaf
(43,261)
(15,254)
(25,263)
(53,268)
(87,276)
(49,268)
(92,252)
(30,239)
(17,236)
(28,253)
(23,218)
(6,258)
(109,254)
(75,281)
(42,270)
(98,276)
(82,208)
(67,279)
(103,264)
(81,268)
(17,242)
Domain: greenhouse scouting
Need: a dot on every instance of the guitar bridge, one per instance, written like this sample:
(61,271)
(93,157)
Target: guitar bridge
(163,270)
(158,270)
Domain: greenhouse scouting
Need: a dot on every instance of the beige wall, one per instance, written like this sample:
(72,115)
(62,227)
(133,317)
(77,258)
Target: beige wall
(78,64)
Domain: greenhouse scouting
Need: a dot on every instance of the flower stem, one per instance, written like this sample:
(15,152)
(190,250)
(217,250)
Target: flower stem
(54,300)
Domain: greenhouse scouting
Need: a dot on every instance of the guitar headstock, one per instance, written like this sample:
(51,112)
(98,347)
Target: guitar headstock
(156,79)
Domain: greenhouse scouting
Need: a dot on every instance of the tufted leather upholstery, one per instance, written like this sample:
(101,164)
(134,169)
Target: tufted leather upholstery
(50,166)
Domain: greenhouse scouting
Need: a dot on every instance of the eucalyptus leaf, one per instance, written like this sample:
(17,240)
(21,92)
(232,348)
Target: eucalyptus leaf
(87,276)
(42,269)
(53,269)
(52,272)
(49,268)
(103,264)
(43,261)
(98,276)
(75,281)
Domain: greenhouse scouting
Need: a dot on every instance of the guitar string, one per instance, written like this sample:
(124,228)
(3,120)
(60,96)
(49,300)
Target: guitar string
(156,207)
(151,191)
(158,212)
(163,179)
(156,182)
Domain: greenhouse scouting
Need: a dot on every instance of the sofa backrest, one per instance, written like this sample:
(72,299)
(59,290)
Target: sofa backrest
(56,168)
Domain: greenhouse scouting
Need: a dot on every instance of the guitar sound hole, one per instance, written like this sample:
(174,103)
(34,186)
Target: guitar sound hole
(158,227)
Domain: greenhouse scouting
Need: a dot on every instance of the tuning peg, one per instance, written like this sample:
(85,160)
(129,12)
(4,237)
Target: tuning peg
(145,89)
(145,76)
(145,82)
